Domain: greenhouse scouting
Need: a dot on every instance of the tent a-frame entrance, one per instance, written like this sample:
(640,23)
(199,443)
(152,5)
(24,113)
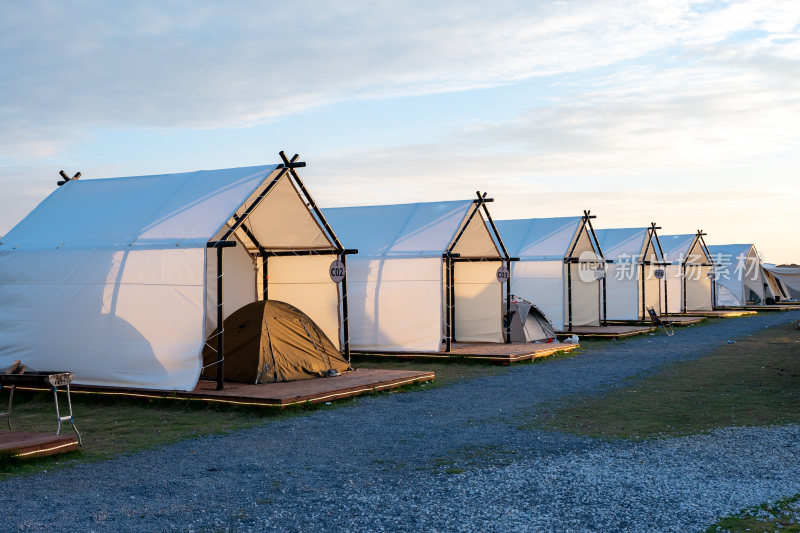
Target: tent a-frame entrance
(426,275)
(561,268)
(633,282)
(286,254)
(739,277)
(689,273)
(121,280)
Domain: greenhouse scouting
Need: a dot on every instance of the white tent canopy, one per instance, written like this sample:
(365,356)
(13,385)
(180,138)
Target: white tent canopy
(739,278)
(689,286)
(398,284)
(112,279)
(560,268)
(632,285)
(788,279)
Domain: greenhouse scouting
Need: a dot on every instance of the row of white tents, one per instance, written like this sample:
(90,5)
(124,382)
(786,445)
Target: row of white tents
(122,281)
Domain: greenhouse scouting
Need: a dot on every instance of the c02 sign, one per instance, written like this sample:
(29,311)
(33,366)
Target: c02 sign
(337,271)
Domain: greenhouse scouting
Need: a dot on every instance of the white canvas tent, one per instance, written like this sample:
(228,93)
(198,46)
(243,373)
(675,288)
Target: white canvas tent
(631,282)
(786,278)
(738,277)
(116,279)
(688,273)
(425,275)
(560,269)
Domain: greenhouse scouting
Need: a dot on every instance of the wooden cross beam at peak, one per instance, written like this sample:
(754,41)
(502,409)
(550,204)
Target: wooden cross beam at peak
(293,162)
(66,178)
(653,226)
(482,198)
(701,233)
(587,214)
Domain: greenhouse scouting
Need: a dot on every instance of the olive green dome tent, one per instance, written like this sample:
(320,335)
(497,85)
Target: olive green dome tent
(269,341)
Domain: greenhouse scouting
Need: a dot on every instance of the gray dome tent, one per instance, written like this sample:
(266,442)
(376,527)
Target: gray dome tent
(270,341)
(528,323)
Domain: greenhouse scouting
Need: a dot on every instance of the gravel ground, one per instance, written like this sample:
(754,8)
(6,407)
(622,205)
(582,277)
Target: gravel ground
(445,459)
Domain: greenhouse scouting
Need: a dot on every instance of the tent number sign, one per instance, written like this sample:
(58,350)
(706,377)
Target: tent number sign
(337,271)
(502,274)
(659,273)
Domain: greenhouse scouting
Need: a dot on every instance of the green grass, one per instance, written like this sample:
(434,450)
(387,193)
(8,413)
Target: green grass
(751,383)
(110,426)
(783,515)
(114,425)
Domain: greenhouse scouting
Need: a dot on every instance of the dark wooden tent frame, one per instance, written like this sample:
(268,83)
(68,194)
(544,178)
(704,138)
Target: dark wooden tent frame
(571,259)
(451,258)
(286,168)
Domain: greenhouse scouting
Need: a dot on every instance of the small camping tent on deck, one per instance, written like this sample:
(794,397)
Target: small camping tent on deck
(689,286)
(632,282)
(561,268)
(119,280)
(426,275)
(738,275)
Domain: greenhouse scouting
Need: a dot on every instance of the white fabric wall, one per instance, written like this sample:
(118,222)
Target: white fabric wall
(541,283)
(478,302)
(698,290)
(585,299)
(130,318)
(725,298)
(305,282)
(622,295)
(653,291)
(238,283)
(395,304)
(674,289)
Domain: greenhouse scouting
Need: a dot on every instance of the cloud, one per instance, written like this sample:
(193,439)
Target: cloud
(78,65)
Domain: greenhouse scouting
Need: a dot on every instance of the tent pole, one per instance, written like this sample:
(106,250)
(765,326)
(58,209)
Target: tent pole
(644,284)
(264,276)
(683,277)
(452,302)
(345,321)
(447,303)
(508,301)
(220,329)
(605,304)
(569,296)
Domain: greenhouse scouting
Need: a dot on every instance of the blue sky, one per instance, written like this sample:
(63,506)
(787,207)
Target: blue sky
(685,113)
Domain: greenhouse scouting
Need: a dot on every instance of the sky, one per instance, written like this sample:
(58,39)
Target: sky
(678,112)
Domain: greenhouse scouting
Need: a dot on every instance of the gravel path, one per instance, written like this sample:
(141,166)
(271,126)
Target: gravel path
(445,459)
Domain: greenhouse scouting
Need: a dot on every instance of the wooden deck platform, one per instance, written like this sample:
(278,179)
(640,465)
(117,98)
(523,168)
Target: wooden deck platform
(776,307)
(717,313)
(480,351)
(318,390)
(25,445)
(605,332)
(675,320)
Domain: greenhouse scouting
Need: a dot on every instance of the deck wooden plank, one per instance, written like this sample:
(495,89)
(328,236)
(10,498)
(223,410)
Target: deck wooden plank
(605,332)
(717,313)
(284,394)
(24,444)
(494,352)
